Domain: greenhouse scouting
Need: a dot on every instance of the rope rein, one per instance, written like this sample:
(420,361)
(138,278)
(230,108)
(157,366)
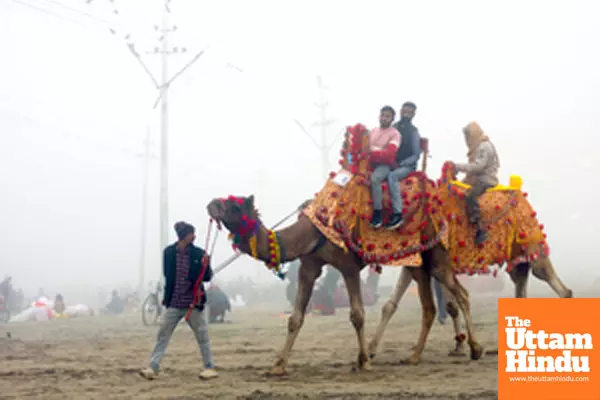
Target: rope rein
(198,294)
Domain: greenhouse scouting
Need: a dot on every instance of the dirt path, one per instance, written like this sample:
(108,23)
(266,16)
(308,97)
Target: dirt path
(99,357)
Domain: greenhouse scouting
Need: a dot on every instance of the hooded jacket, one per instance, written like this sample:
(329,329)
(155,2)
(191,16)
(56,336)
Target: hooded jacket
(483,162)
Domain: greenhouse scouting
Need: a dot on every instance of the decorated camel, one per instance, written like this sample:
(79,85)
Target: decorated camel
(516,240)
(334,229)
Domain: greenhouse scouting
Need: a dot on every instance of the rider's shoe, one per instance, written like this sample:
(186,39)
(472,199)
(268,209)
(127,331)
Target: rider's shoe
(481,236)
(394,222)
(376,220)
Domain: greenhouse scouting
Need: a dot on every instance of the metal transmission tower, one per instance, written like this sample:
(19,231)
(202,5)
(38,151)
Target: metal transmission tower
(163,87)
(323,122)
(165,50)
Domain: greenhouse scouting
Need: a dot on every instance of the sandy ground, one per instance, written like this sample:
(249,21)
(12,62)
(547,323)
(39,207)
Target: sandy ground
(99,357)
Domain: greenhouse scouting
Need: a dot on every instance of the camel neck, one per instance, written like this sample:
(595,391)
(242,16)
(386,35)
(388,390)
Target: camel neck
(294,241)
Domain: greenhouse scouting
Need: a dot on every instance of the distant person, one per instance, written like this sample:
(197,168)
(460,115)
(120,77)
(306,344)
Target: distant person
(441,301)
(292,276)
(59,304)
(116,305)
(324,296)
(182,266)
(6,287)
(218,304)
(373,280)
(481,173)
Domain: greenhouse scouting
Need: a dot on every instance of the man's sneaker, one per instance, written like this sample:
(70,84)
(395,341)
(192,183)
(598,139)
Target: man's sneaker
(394,222)
(376,221)
(481,236)
(149,373)
(208,374)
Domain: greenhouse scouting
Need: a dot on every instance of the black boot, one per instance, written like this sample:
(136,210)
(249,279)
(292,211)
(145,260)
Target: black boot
(376,221)
(481,236)
(394,222)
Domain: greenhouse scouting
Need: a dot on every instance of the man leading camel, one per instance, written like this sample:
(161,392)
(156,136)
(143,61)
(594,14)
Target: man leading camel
(481,174)
(384,142)
(182,265)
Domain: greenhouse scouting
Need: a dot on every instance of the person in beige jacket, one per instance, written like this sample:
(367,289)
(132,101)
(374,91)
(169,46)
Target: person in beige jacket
(481,174)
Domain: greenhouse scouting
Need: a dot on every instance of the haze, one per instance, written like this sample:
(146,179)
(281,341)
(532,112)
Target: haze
(75,105)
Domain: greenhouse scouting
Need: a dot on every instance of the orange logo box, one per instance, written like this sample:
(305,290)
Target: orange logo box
(549,349)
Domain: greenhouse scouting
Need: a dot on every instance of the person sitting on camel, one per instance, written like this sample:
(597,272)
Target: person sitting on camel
(384,142)
(481,174)
(407,156)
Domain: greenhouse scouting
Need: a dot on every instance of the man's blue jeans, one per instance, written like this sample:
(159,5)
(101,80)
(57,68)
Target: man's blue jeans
(393,178)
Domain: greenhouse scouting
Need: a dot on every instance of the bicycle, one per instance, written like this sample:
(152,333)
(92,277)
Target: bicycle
(152,307)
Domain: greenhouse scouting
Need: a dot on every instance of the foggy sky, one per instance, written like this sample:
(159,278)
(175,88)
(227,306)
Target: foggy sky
(75,105)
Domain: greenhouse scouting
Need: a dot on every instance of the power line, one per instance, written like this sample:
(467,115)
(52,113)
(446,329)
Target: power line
(107,26)
(84,13)
(163,85)
(48,12)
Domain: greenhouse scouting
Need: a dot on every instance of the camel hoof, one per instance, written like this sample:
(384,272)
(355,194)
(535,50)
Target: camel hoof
(277,371)
(569,294)
(366,367)
(476,351)
(457,353)
(413,360)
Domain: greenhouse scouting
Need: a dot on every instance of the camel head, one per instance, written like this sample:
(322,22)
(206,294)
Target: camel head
(238,214)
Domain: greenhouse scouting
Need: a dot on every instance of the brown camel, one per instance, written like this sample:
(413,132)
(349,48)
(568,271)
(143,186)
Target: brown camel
(333,231)
(303,240)
(523,259)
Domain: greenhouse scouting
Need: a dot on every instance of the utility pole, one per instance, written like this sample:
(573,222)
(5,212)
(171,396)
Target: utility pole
(324,123)
(142,266)
(163,97)
(164,131)
(163,89)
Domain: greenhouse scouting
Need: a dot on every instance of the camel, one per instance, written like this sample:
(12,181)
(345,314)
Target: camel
(532,256)
(333,229)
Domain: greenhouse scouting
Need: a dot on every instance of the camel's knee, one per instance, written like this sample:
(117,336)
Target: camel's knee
(357,317)
(541,272)
(389,308)
(451,309)
(429,315)
(295,322)
(429,312)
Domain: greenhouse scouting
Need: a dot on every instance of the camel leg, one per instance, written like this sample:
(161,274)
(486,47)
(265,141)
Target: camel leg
(543,269)
(357,315)
(389,309)
(519,275)
(308,273)
(452,309)
(423,278)
(443,271)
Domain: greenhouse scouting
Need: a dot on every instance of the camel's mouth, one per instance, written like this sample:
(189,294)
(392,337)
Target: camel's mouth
(231,211)
(216,210)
